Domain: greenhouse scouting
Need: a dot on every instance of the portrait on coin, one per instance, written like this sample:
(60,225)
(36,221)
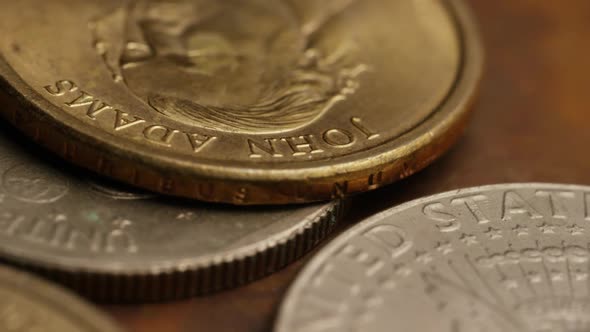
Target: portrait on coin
(247,66)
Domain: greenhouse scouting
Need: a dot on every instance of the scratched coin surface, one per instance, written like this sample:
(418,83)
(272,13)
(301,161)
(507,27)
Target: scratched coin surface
(243,102)
(28,304)
(114,244)
(500,258)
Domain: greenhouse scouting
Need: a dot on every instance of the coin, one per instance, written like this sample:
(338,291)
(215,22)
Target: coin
(511,257)
(29,304)
(115,244)
(294,101)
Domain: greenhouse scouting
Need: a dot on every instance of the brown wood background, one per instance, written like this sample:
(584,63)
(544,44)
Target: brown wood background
(531,124)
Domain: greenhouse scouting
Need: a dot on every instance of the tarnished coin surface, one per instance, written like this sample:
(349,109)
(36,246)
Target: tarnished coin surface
(244,102)
(30,305)
(113,244)
(496,258)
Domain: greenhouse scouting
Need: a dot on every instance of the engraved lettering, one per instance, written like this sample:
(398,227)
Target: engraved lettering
(160,134)
(318,314)
(95,106)
(302,145)
(307,145)
(76,239)
(36,230)
(472,204)
(59,234)
(339,189)
(446,221)
(166,185)
(55,231)
(124,120)
(61,88)
(338,138)
(199,141)
(119,238)
(358,124)
(389,238)
(513,204)
(556,201)
(341,279)
(371,265)
(296,146)
(241,196)
(9,223)
(154,133)
(268,147)
(205,190)
(44,231)
(375,180)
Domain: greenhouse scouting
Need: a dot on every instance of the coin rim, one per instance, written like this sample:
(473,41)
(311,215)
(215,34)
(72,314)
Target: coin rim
(161,264)
(172,279)
(302,280)
(73,308)
(426,141)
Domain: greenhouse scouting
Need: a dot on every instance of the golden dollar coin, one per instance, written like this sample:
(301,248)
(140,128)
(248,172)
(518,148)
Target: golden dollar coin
(246,102)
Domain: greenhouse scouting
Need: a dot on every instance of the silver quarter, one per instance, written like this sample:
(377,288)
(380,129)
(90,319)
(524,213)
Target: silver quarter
(509,257)
(114,244)
(29,304)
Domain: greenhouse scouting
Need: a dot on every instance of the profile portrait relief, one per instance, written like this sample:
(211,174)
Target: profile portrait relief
(244,66)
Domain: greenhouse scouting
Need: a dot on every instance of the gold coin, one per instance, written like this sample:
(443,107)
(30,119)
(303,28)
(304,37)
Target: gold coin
(246,102)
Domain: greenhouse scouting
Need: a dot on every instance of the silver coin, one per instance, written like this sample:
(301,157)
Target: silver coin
(28,304)
(510,257)
(114,244)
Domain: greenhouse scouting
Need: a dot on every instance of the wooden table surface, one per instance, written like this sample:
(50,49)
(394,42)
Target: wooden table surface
(532,123)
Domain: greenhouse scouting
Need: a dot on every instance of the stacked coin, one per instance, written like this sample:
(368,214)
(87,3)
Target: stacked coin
(294,102)
(116,244)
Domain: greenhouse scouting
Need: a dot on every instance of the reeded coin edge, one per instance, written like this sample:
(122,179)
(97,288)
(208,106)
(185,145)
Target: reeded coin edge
(250,186)
(172,282)
(287,307)
(74,308)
